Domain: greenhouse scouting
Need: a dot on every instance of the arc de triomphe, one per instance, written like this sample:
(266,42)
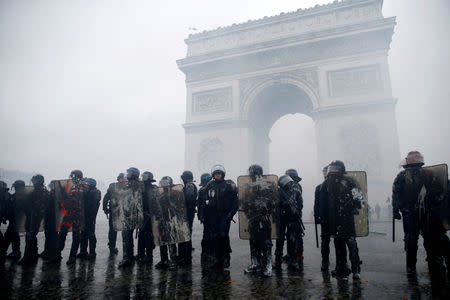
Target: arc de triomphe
(328,62)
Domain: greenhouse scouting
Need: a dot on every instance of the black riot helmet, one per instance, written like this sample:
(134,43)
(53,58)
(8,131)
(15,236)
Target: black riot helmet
(37,180)
(294,175)
(336,167)
(255,170)
(121,177)
(148,177)
(76,174)
(187,176)
(133,173)
(218,169)
(18,185)
(205,178)
(166,181)
(284,180)
(414,159)
(91,182)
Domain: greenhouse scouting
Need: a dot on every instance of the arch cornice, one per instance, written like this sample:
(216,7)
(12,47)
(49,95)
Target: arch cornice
(305,80)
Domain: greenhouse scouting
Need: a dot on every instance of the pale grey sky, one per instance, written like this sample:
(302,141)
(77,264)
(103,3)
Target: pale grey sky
(94,85)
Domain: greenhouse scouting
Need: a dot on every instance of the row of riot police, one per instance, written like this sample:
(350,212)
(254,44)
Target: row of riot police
(420,198)
(67,205)
(268,208)
(271,207)
(162,216)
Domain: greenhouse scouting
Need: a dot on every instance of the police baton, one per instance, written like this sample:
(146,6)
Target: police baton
(393,228)
(317,236)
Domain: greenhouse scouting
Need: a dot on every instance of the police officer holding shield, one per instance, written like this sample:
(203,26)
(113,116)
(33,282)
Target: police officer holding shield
(416,198)
(222,202)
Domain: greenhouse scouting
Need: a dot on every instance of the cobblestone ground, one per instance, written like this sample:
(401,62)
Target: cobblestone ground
(382,277)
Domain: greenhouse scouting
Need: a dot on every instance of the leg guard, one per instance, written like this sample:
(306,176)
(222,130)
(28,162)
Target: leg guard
(266,258)
(354,255)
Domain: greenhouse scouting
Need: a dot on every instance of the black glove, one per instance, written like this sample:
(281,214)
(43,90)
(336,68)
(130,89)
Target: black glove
(397,215)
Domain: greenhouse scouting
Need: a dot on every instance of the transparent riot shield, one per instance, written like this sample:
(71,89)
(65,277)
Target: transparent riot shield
(69,206)
(441,174)
(126,206)
(362,218)
(21,205)
(251,190)
(169,219)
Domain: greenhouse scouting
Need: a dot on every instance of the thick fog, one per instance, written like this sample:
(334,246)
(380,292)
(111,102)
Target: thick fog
(94,85)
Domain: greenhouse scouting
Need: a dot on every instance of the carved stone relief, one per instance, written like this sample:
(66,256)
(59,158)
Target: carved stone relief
(354,81)
(210,154)
(213,101)
(213,41)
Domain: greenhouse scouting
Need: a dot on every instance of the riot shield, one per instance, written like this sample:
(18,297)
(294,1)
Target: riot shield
(362,218)
(441,173)
(250,190)
(21,203)
(69,208)
(127,211)
(169,219)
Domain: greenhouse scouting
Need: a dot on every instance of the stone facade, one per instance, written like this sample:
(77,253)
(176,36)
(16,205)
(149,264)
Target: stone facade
(328,62)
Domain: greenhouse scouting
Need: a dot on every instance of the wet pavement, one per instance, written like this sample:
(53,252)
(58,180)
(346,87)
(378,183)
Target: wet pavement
(382,274)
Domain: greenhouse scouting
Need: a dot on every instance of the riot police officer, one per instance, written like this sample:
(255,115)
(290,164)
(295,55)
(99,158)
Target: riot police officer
(190,197)
(34,215)
(171,249)
(324,230)
(260,227)
(145,236)
(203,216)
(222,202)
(137,187)
(50,253)
(340,200)
(112,234)
(76,198)
(289,216)
(11,235)
(93,198)
(294,175)
(419,216)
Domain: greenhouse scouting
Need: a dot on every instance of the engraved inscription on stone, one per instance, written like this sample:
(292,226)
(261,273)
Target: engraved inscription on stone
(213,101)
(354,81)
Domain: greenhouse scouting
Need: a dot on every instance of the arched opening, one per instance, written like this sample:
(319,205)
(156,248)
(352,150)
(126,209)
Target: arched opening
(282,135)
(293,145)
(271,104)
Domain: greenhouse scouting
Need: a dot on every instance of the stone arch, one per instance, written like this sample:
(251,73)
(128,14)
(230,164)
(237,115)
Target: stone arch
(334,55)
(270,101)
(250,93)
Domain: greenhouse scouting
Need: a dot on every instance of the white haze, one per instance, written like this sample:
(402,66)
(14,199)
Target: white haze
(93,85)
